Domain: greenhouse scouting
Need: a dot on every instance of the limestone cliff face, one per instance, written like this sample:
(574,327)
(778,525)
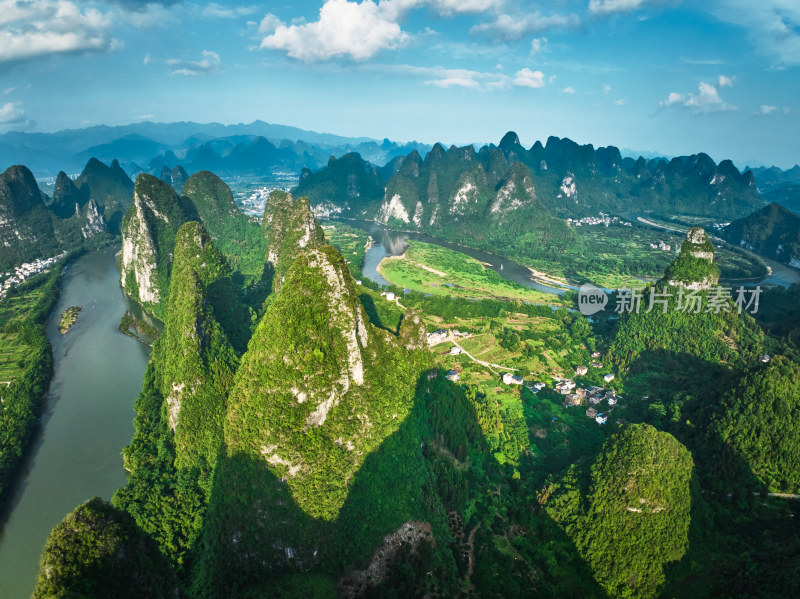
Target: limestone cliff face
(148,238)
(94,221)
(289,227)
(26,227)
(320,387)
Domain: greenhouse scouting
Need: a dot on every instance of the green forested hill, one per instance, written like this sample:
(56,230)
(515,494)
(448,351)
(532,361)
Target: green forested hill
(238,236)
(110,187)
(758,423)
(319,387)
(194,358)
(98,551)
(630,518)
(773,231)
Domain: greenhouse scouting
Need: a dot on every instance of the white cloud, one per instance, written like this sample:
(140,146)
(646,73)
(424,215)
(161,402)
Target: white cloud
(766,109)
(210,63)
(13,118)
(151,15)
(620,102)
(452,7)
(610,7)
(344,29)
(568,90)
(512,27)
(143,117)
(538,44)
(606,88)
(146,60)
(9,90)
(446,78)
(773,26)
(725,81)
(269,24)
(217,11)
(40,28)
(465,81)
(527,78)
(705,101)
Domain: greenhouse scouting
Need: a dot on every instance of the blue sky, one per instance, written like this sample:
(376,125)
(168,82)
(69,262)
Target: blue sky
(721,76)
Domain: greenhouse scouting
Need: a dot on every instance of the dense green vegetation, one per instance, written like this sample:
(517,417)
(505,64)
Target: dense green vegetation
(137,328)
(773,231)
(26,365)
(148,234)
(235,234)
(757,424)
(630,518)
(316,328)
(98,551)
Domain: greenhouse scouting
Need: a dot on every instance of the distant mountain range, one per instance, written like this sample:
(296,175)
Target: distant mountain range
(568,179)
(242,149)
(776,185)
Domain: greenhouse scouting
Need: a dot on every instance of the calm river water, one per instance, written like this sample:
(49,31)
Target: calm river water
(87,420)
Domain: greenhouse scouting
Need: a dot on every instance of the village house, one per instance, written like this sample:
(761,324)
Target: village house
(608,378)
(591,412)
(455,350)
(565,387)
(510,379)
(601,419)
(452,375)
(538,386)
(612,401)
(437,337)
(595,354)
(597,364)
(581,370)
(573,399)
(765,358)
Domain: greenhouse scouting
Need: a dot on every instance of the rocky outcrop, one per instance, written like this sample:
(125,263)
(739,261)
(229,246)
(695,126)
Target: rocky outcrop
(148,239)
(694,267)
(289,226)
(94,221)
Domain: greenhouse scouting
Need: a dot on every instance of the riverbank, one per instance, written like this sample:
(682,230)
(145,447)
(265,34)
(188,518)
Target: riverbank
(74,452)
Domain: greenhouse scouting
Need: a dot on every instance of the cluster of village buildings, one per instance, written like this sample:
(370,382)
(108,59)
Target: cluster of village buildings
(577,396)
(604,219)
(24,271)
(573,395)
(665,247)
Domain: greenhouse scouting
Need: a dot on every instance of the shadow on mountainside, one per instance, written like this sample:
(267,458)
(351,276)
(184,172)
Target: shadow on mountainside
(257,541)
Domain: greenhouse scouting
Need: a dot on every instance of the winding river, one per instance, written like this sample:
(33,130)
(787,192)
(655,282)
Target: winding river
(88,417)
(87,420)
(394,243)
